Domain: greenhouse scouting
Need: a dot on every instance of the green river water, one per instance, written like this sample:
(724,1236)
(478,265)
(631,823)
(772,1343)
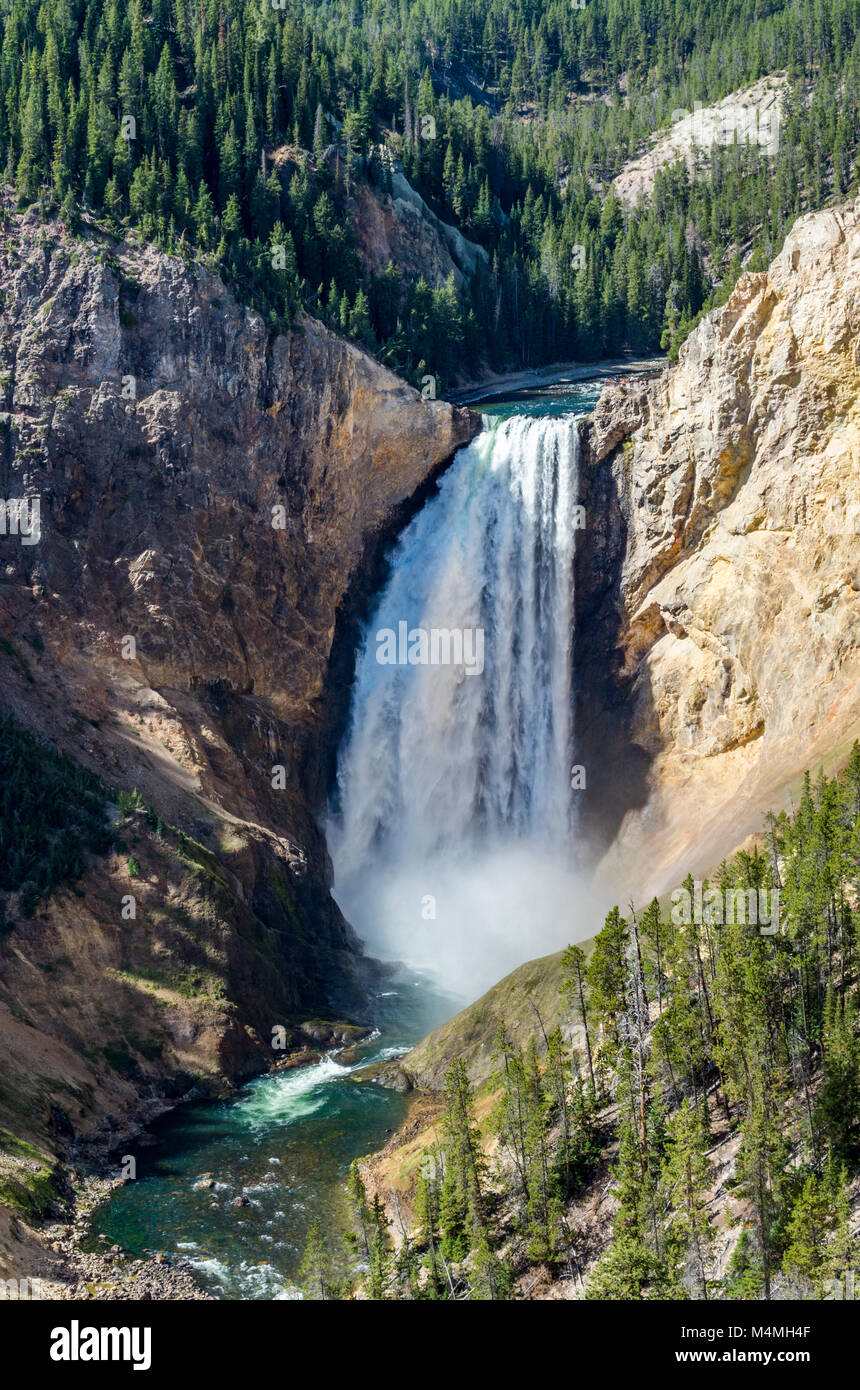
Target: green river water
(285,1143)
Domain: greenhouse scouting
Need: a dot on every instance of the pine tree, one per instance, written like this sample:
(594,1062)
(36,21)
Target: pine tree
(687,1178)
(359,1209)
(631,1268)
(381,1270)
(315,1274)
(606,974)
(461,1207)
(837,1112)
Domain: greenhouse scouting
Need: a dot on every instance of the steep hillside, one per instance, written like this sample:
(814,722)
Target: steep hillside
(508,122)
(527,999)
(398,227)
(674,1116)
(752,116)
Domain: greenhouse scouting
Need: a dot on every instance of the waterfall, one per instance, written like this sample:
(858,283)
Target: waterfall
(451,837)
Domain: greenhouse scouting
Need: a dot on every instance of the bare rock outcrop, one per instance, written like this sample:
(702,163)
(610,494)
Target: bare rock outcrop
(721,574)
(398,226)
(751,116)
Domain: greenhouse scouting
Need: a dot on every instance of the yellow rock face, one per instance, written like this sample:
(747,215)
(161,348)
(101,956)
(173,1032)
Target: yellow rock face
(739,484)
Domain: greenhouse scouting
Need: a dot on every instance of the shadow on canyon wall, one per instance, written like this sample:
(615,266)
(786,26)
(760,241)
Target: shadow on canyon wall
(616,768)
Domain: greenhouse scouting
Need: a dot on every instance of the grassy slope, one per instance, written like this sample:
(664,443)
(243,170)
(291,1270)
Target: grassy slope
(532,986)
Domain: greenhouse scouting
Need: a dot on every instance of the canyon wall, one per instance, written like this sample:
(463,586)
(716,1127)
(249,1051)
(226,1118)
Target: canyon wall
(214,499)
(719,578)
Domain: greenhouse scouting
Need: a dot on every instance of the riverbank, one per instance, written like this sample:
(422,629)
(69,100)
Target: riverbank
(67,1258)
(230,1188)
(560,375)
(109,1275)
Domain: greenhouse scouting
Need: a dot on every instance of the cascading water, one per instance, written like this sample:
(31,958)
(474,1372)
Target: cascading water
(452,842)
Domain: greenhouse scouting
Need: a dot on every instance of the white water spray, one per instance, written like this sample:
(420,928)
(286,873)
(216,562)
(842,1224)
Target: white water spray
(452,845)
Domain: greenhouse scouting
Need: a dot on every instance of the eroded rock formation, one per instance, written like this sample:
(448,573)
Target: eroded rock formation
(720,576)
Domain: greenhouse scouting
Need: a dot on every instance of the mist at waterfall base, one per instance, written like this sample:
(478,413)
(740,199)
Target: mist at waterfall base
(453,830)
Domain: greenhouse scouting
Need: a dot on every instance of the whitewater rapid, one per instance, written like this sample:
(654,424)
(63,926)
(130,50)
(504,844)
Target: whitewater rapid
(452,831)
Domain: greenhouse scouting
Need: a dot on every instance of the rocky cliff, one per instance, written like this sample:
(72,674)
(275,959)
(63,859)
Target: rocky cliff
(399,227)
(719,578)
(212,500)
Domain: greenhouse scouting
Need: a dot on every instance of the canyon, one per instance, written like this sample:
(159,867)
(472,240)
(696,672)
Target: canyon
(717,634)
(163,428)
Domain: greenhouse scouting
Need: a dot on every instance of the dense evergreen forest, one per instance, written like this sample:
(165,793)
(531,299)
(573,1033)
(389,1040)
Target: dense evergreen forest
(509,116)
(695,1040)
